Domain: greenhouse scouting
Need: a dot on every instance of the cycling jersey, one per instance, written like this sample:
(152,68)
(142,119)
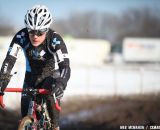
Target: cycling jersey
(43,60)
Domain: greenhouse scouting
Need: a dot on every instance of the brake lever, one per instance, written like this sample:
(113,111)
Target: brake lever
(56,103)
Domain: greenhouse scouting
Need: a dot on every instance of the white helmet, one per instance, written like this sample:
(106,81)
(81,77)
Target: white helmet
(38,17)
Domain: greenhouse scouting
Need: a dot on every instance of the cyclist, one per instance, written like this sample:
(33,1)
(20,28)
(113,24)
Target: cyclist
(47,62)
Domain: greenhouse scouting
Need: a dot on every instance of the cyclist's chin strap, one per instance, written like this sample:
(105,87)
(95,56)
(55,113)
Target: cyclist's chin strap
(1,102)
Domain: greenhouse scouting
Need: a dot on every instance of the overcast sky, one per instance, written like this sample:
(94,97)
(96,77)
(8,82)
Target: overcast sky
(16,9)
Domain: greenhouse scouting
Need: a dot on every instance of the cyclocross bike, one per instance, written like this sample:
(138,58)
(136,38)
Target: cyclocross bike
(37,117)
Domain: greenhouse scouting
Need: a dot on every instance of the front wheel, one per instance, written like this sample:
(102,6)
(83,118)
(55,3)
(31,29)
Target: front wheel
(26,124)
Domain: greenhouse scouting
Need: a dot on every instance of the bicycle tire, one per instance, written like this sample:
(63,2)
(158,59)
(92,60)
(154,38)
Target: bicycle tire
(26,123)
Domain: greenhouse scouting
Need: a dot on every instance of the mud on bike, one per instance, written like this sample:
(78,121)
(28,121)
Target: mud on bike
(37,117)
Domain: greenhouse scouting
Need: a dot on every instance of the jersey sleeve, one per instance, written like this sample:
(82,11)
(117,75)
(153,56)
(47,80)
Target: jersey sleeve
(12,55)
(62,58)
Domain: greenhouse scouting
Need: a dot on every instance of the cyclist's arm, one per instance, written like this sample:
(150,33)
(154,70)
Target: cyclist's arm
(11,56)
(62,58)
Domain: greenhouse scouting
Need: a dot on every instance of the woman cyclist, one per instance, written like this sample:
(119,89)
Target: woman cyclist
(47,61)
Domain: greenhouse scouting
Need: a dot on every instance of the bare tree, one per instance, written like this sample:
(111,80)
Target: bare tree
(133,22)
(82,25)
(138,23)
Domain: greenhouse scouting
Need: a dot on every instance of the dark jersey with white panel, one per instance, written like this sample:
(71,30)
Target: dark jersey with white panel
(43,61)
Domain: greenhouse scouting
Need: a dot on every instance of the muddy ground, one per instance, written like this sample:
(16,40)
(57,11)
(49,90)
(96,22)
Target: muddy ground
(100,113)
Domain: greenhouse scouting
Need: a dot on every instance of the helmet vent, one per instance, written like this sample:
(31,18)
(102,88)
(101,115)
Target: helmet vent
(30,22)
(40,11)
(30,16)
(35,19)
(25,21)
(34,11)
(48,22)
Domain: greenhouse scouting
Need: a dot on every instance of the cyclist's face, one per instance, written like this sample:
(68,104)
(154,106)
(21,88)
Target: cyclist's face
(36,40)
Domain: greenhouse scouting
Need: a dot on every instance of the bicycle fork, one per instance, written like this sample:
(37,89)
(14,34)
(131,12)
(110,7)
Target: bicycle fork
(32,113)
(46,115)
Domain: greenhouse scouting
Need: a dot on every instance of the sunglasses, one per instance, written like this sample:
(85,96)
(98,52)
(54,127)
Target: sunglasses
(37,32)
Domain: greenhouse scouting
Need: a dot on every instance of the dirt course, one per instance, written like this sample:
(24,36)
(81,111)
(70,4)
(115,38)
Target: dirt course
(101,113)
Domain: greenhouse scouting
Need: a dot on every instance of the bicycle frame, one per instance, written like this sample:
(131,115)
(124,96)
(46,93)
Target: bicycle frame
(33,106)
(32,112)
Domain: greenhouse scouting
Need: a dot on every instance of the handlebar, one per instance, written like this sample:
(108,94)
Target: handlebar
(40,91)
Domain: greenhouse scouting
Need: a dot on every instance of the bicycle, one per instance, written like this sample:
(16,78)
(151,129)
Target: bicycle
(31,121)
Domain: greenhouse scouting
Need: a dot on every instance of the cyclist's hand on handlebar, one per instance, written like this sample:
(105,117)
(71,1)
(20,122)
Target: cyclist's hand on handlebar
(4,80)
(2,88)
(58,89)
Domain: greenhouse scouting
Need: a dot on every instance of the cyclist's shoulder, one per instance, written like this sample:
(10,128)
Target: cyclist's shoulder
(53,34)
(21,33)
(21,37)
(56,41)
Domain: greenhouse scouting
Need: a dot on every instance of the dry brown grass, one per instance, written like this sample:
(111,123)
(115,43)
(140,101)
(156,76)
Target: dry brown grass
(114,111)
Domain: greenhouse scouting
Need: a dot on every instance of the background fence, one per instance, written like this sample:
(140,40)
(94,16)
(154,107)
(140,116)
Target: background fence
(114,80)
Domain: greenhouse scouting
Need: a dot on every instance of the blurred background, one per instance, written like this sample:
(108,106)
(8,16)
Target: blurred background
(114,48)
